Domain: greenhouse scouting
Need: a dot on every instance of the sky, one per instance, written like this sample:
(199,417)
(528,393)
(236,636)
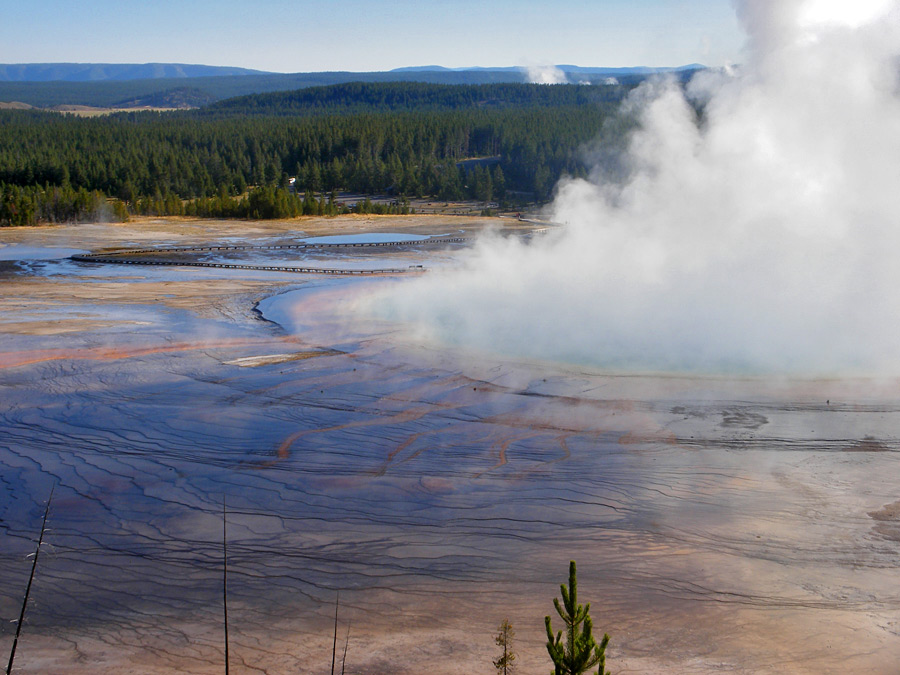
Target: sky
(365,35)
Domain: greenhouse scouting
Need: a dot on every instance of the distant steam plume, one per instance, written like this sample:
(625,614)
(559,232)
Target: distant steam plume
(763,237)
(546,75)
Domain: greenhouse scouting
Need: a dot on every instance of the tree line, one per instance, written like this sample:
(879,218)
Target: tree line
(266,203)
(415,145)
(31,204)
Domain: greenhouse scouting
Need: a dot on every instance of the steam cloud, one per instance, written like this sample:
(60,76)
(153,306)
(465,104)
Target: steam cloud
(546,75)
(761,238)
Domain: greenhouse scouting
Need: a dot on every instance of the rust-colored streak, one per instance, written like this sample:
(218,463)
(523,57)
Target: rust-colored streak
(28,357)
(502,446)
(400,448)
(661,435)
(403,417)
(563,445)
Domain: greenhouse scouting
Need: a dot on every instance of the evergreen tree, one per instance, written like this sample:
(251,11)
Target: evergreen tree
(580,651)
(506,663)
(499,182)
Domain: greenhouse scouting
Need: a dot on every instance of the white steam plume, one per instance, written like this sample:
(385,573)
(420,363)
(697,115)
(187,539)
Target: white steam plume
(761,238)
(545,75)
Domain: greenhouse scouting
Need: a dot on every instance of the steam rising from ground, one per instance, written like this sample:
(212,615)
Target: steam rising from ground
(546,75)
(762,237)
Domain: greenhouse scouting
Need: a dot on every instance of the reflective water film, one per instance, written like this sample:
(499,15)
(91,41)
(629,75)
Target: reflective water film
(748,525)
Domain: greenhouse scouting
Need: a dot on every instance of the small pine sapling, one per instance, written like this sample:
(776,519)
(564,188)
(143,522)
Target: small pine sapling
(506,663)
(580,651)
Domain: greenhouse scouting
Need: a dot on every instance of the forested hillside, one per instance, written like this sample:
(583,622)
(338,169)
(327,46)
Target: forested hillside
(112,93)
(369,97)
(399,138)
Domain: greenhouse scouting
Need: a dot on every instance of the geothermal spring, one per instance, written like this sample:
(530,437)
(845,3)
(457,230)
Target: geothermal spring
(685,379)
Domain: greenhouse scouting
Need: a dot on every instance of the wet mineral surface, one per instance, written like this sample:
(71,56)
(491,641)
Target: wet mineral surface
(719,525)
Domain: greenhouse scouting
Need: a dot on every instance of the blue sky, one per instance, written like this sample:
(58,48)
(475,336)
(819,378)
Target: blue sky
(359,35)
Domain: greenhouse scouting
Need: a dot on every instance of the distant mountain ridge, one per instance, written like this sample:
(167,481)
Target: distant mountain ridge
(99,72)
(103,72)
